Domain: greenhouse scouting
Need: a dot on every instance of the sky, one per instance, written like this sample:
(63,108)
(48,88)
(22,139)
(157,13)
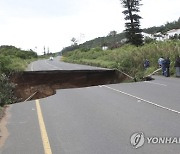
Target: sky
(35,24)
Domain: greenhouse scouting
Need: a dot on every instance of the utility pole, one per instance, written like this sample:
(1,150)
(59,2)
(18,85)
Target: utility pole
(44,50)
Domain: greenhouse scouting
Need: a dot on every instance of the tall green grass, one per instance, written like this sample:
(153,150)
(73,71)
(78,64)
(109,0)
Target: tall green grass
(12,60)
(128,58)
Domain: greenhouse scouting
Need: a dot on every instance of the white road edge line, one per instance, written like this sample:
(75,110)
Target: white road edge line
(160,84)
(149,102)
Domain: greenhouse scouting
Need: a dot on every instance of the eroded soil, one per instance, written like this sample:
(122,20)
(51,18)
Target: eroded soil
(45,83)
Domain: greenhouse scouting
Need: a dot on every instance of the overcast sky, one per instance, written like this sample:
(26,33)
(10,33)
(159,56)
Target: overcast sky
(33,24)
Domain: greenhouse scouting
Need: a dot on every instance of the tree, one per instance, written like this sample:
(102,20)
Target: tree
(74,41)
(112,33)
(132,31)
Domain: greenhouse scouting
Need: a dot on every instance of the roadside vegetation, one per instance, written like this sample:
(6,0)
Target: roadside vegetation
(12,60)
(115,40)
(128,58)
(125,54)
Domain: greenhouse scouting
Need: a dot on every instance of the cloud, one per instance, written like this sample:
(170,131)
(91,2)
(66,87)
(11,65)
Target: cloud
(158,12)
(52,23)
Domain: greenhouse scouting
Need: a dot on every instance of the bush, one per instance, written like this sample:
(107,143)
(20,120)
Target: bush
(11,64)
(6,91)
(12,60)
(128,58)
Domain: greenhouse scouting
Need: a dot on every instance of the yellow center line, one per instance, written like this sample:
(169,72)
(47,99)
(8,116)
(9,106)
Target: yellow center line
(47,147)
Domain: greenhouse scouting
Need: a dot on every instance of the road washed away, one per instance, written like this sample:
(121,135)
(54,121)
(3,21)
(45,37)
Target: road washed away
(32,85)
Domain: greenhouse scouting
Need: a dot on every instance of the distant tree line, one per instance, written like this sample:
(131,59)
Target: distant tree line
(163,28)
(113,39)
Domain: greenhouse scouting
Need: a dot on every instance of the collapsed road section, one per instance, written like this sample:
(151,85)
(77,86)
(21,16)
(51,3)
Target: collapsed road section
(40,84)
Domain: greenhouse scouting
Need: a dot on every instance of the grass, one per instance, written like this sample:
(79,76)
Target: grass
(128,58)
(11,64)
(12,60)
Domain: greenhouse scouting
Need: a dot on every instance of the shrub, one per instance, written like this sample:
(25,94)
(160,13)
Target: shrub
(129,58)
(12,60)
(6,91)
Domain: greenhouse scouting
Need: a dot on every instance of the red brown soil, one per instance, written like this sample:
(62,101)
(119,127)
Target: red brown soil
(45,83)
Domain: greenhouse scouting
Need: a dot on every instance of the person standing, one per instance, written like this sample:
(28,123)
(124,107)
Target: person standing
(146,63)
(161,62)
(167,66)
(177,66)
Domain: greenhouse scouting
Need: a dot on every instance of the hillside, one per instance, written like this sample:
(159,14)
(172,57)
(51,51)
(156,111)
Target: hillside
(14,59)
(109,40)
(128,58)
(164,28)
(114,41)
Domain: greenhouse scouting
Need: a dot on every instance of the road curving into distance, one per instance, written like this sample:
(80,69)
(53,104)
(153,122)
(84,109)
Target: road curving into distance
(97,120)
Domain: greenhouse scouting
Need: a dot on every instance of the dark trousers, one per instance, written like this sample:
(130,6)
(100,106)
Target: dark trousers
(163,70)
(166,73)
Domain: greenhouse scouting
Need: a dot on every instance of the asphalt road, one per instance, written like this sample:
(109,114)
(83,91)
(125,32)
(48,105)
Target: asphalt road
(56,64)
(96,120)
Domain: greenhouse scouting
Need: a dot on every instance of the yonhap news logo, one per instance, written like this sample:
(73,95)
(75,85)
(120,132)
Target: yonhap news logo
(138,139)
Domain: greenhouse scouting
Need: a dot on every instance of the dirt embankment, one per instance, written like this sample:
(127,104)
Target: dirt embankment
(45,83)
